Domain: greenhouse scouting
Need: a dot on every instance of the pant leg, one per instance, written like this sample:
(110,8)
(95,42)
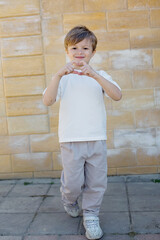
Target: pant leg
(95,178)
(72,177)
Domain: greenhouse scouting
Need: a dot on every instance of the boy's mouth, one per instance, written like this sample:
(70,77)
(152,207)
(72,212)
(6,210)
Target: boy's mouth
(79,57)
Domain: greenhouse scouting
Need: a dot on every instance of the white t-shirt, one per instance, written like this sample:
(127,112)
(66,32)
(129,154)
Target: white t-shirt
(82,114)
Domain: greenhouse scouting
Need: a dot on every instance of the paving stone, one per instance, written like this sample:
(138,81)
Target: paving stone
(116,179)
(116,237)
(116,189)
(144,189)
(146,222)
(73,237)
(52,204)
(54,191)
(4,189)
(41,238)
(142,178)
(20,205)
(144,203)
(147,237)
(114,204)
(36,181)
(54,223)
(8,182)
(14,224)
(113,223)
(10,238)
(29,190)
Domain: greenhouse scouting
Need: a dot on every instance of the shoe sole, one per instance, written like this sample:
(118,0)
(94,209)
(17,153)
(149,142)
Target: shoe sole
(93,238)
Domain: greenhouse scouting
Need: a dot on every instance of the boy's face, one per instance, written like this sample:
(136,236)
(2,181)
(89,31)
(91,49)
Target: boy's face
(81,51)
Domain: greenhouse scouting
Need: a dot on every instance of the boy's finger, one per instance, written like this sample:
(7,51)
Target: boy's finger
(82,63)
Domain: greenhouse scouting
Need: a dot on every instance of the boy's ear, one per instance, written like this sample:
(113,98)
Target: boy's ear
(93,52)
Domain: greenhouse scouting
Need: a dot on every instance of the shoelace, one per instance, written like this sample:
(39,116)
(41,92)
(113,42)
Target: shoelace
(91,223)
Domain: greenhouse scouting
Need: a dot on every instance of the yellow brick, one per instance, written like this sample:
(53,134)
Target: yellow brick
(143,3)
(5,164)
(16,175)
(13,144)
(156,58)
(54,63)
(50,7)
(28,124)
(22,66)
(100,61)
(2,107)
(47,174)
(94,21)
(17,106)
(120,119)
(148,156)
(121,157)
(145,38)
(53,25)
(127,20)
(113,41)
(135,99)
(147,118)
(54,116)
(155,17)
(44,143)
(123,78)
(108,103)
(110,139)
(137,170)
(112,171)
(23,26)
(102,5)
(19,46)
(28,162)
(1,88)
(54,45)
(21,86)
(134,138)
(158,138)
(146,78)
(130,59)
(10,8)
(157,97)
(57,161)
(3,126)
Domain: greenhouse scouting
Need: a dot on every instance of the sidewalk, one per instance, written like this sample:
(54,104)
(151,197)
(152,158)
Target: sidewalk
(31,209)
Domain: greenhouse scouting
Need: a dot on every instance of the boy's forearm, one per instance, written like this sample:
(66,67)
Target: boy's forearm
(111,90)
(50,95)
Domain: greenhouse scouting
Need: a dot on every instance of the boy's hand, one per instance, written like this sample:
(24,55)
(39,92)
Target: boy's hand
(87,70)
(67,69)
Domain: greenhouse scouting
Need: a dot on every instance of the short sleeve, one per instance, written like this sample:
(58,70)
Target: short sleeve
(109,78)
(58,92)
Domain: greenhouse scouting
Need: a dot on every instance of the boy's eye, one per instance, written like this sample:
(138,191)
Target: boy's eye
(74,48)
(85,48)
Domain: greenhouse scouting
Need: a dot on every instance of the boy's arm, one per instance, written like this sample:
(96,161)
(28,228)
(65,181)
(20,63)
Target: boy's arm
(50,94)
(112,91)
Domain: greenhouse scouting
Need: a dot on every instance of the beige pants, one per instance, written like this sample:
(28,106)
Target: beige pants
(84,171)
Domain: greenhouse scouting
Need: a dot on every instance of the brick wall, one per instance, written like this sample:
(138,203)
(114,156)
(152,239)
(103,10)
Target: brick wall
(31,50)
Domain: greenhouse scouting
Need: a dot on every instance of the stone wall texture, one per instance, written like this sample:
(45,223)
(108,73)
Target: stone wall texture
(31,51)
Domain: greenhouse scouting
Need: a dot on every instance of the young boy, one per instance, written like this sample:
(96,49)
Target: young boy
(82,127)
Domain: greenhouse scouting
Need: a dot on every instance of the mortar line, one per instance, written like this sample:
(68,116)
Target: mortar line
(36,213)
(129,210)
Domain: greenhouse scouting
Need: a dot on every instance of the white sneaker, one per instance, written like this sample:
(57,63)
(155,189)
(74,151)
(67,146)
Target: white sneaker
(93,230)
(73,210)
